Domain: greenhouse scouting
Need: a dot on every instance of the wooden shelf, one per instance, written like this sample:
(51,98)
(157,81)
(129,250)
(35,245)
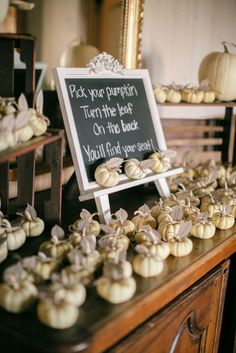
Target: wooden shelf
(185,104)
(24,154)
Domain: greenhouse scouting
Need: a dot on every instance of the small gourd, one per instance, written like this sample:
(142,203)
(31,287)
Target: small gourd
(56,312)
(57,246)
(154,237)
(146,263)
(119,260)
(40,266)
(211,206)
(32,225)
(202,227)
(161,160)
(135,169)
(181,245)
(107,174)
(160,93)
(173,94)
(88,249)
(113,239)
(159,208)
(80,269)
(37,121)
(192,95)
(170,228)
(67,289)
(190,211)
(122,224)
(143,216)
(17,295)
(115,286)
(15,235)
(186,196)
(86,221)
(223,219)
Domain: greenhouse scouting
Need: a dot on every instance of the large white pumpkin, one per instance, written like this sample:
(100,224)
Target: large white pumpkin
(220,69)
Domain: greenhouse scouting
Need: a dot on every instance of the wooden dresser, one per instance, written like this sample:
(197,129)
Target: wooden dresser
(178,311)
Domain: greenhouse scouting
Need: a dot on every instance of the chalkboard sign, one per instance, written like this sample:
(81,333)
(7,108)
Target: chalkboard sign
(112,119)
(107,115)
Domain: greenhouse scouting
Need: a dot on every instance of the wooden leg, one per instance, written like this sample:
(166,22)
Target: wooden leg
(25,179)
(226,134)
(162,187)
(53,156)
(103,208)
(4,187)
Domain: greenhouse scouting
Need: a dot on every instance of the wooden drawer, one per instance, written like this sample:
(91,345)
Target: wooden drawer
(190,324)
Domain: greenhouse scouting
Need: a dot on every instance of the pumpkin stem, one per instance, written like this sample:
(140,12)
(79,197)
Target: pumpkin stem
(224,43)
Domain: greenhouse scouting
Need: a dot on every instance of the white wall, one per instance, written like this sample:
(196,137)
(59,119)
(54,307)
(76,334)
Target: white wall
(56,23)
(177,34)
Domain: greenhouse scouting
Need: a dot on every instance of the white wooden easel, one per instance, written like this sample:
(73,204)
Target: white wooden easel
(104,66)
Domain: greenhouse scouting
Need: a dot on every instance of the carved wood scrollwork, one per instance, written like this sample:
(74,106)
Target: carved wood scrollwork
(197,337)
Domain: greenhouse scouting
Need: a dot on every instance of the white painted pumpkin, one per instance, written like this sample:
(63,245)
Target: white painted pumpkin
(160,93)
(16,296)
(220,69)
(59,315)
(107,174)
(116,292)
(143,216)
(180,248)
(134,169)
(146,263)
(57,246)
(122,224)
(32,225)
(202,227)
(15,235)
(86,221)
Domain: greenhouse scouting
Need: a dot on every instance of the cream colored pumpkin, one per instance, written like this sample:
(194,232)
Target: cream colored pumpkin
(107,174)
(32,225)
(15,236)
(134,169)
(143,217)
(161,161)
(223,221)
(160,93)
(203,229)
(173,95)
(57,246)
(181,247)
(56,249)
(192,95)
(168,230)
(58,315)
(86,221)
(122,224)
(209,96)
(74,294)
(116,292)
(147,266)
(220,69)
(17,299)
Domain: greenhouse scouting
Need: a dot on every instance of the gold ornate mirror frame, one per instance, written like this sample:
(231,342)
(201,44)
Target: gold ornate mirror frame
(115,26)
(131,33)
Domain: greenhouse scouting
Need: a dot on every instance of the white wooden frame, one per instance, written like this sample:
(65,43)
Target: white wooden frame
(88,189)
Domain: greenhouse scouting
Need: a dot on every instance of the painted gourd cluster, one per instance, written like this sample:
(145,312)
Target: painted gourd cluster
(109,257)
(19,123)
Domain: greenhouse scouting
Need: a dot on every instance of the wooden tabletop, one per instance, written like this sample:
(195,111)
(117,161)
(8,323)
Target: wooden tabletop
(100,324)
